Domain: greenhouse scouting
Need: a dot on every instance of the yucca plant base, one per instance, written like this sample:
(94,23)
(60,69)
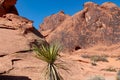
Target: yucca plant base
(53,72)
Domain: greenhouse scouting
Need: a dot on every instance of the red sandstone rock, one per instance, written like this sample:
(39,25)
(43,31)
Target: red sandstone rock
(51,22)
(16,22)
(7,6)
(4,63)
(17,34)
(95,24)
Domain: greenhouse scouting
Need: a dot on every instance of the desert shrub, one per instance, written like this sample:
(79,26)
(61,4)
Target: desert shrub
(97,58)
(118,75)
(49,54)
(111,69)
(85,56)
(97,78)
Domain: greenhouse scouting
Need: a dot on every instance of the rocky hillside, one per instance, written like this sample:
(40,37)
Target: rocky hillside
(94,25)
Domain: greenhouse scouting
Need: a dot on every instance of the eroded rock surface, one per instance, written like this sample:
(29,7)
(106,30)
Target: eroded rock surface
(95,24)
(51,22)
(17,36)
(5,65)
(8,6)
(14,30)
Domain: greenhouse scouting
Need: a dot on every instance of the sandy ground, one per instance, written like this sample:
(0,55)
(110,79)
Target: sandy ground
(82,69)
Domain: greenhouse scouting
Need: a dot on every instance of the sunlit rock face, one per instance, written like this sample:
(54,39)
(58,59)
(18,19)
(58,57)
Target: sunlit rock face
(51,22)
(95,24)
(16,34)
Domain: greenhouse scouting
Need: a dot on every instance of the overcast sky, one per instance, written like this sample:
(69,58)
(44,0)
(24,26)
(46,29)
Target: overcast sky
(37,10)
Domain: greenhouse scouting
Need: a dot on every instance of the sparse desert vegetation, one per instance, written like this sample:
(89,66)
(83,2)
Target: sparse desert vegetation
(111,69)
(95,58)
(118,75)
(97,77)
(49,54)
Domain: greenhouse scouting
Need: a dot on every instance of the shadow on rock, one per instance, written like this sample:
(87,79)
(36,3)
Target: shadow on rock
(8,77)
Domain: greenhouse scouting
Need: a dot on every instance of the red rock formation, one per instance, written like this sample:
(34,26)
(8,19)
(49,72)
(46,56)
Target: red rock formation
(17,34)
(95,24)
(7,6)
(51,22)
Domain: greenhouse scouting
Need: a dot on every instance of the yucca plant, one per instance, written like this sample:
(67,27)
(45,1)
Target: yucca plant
(49,54)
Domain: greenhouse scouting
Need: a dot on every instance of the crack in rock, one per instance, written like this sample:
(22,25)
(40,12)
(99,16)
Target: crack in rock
(3,55)
(8,66)
(8,28)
